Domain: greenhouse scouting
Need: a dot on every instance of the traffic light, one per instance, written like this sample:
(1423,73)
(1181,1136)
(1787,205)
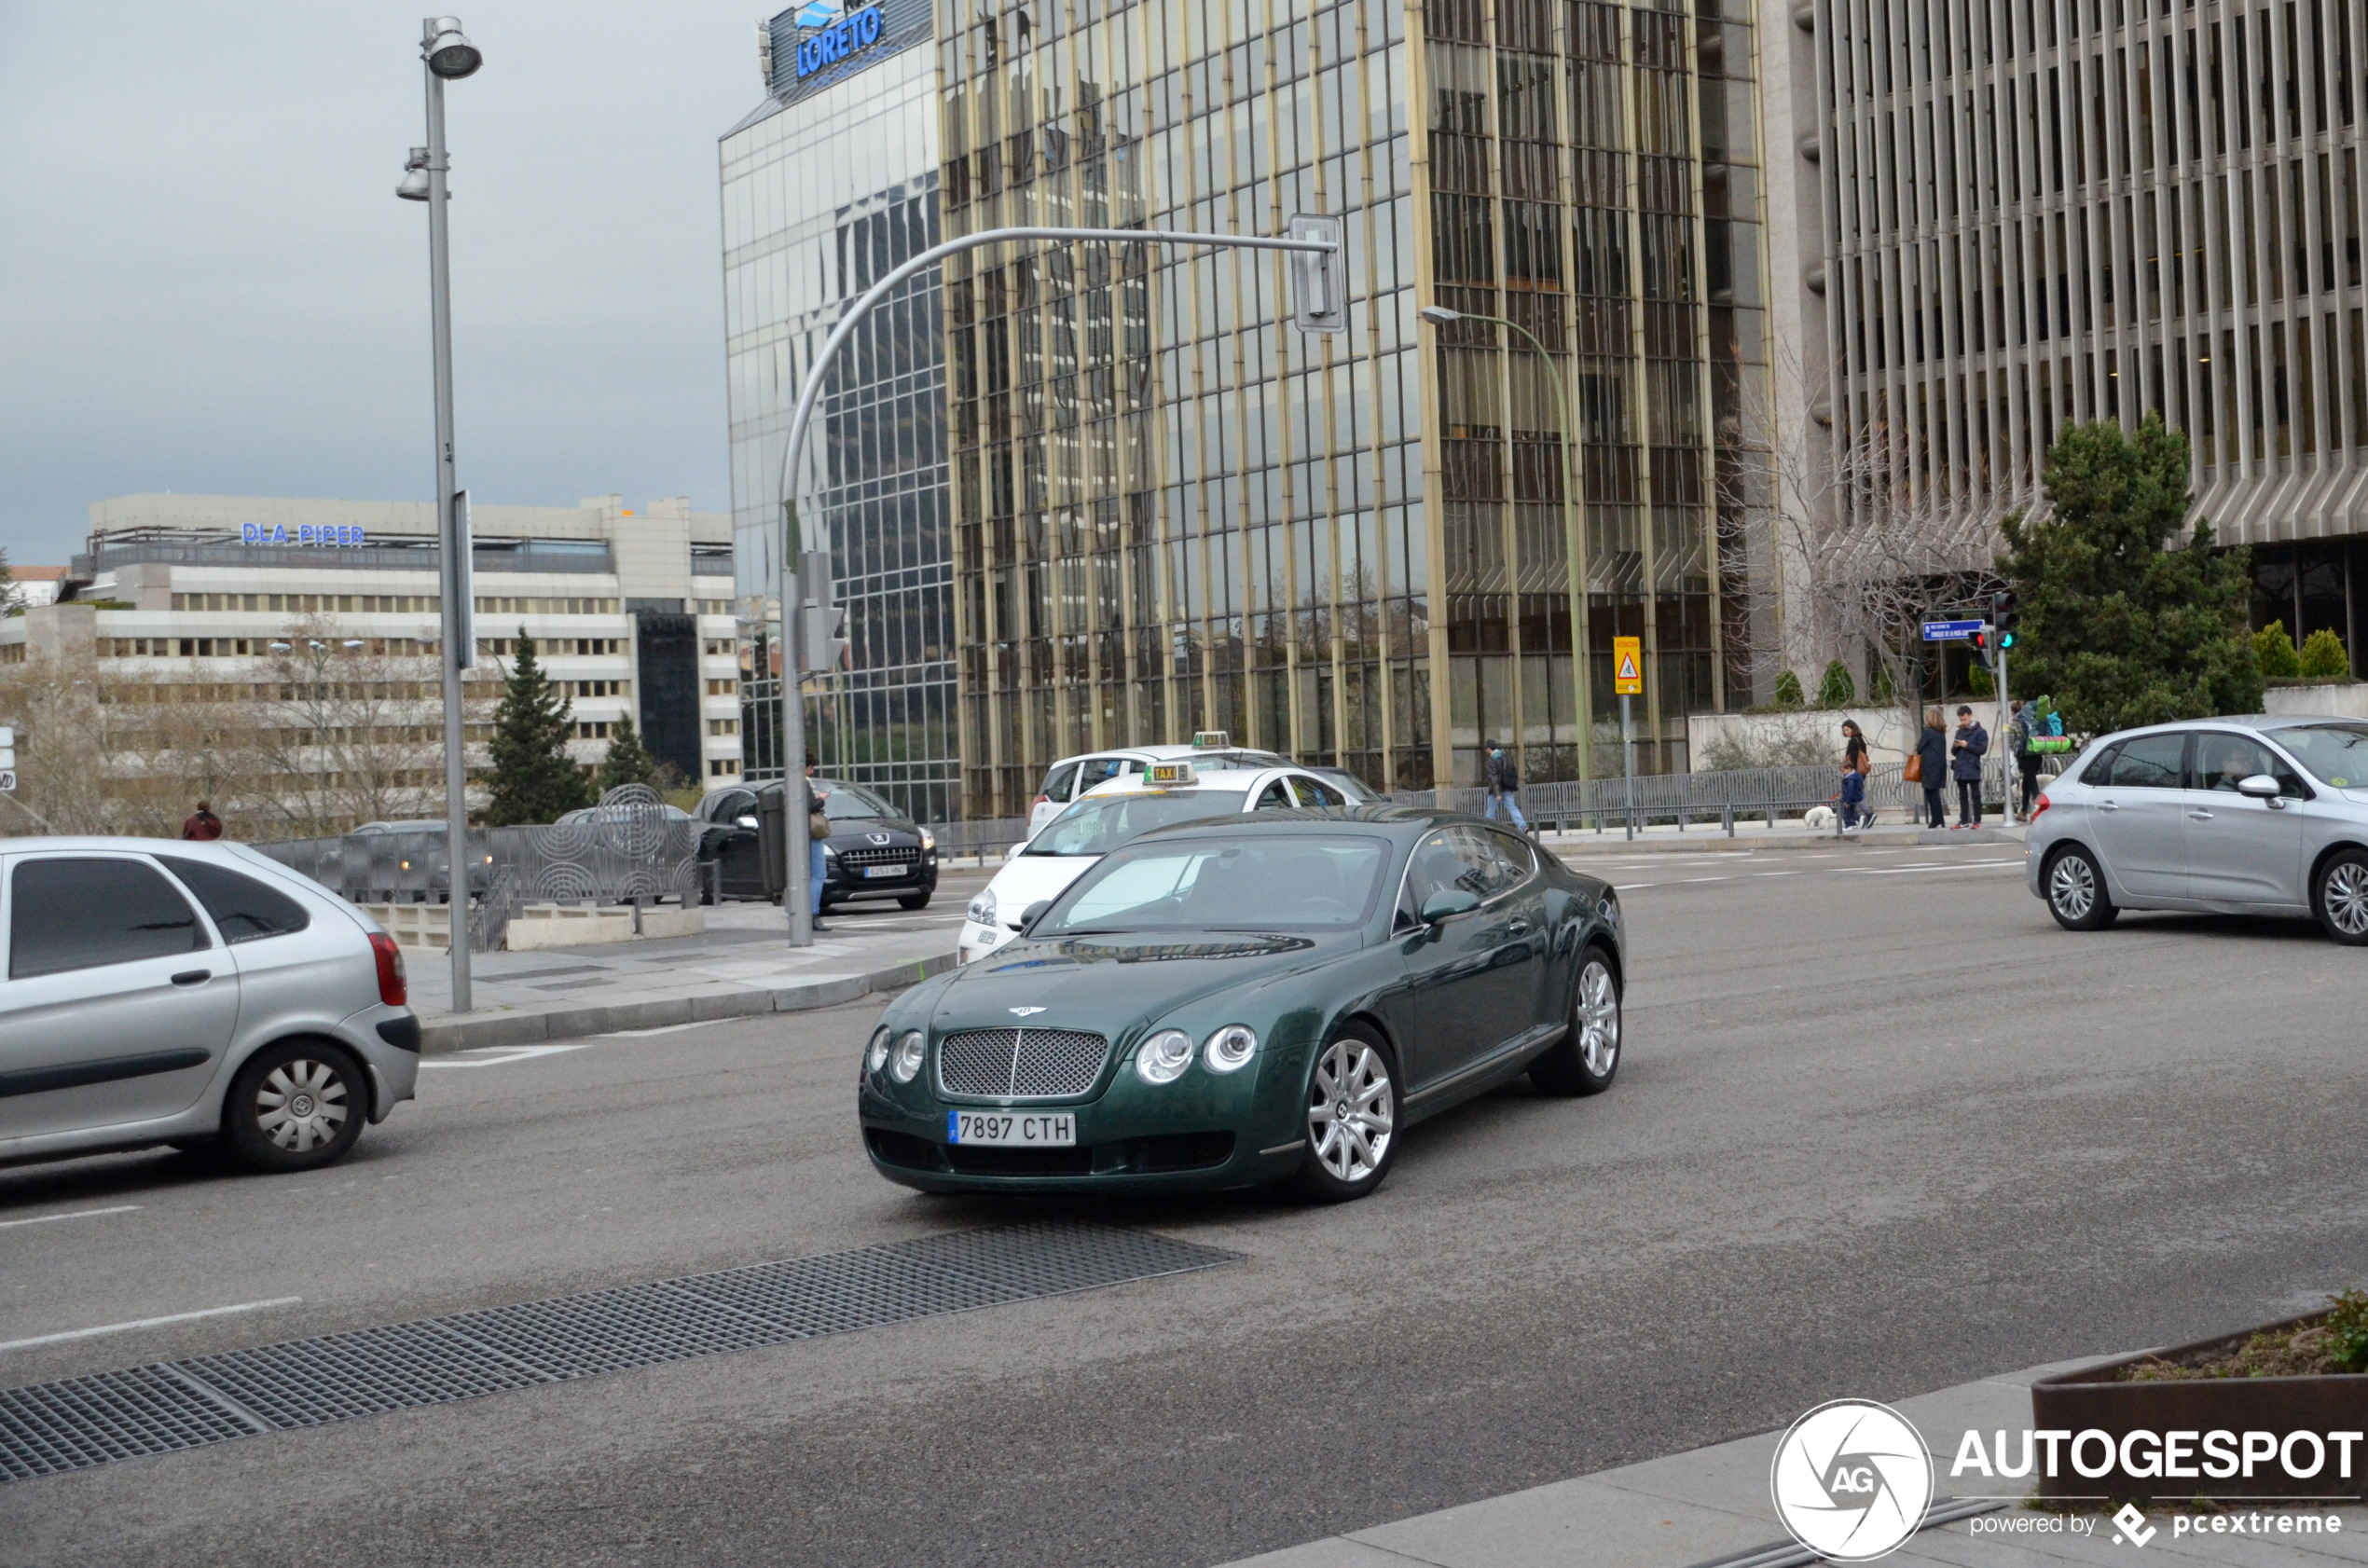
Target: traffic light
(825,619)
(2003,616)
(1982,642)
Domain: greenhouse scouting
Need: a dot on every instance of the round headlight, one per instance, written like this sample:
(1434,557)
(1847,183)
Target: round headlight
(906,1065)
(1164,1057)
(1229,1048)
(982,908)
(875,1054)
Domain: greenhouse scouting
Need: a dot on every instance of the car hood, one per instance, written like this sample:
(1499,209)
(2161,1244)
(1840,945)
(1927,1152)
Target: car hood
(854,832)
(1026,878)
(1108,984)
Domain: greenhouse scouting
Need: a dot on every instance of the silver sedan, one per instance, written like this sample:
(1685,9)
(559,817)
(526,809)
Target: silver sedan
(2259,814)
(191,993)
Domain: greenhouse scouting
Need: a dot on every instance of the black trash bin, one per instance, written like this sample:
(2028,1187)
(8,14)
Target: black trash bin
(772,842)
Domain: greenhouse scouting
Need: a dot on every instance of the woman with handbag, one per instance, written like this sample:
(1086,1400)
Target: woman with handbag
(817,828)
(1928,765)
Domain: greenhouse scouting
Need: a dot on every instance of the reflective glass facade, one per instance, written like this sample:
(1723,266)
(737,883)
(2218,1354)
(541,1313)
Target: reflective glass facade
(823,194)
(1175,513)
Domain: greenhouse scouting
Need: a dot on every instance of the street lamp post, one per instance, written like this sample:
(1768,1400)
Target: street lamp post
(1320,301)
(448,57)
(1440,315)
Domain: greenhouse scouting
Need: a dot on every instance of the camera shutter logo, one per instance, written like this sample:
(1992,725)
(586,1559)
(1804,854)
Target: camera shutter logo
(1851,1480)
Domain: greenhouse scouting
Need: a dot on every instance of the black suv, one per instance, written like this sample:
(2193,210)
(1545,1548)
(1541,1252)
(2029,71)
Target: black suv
(874,851)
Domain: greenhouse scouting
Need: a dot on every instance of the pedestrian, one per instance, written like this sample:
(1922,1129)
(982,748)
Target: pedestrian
(817,828)
(1855,762)
(1932,763)
(1966,750)
(1504,785)
(203,824)
(2020,731)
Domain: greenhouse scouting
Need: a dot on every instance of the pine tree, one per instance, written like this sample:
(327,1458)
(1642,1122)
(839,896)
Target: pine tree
(534,779)
(2274,652)
(1788,689)
(11,596)
(2117,628)
(628,761)
(2323,658)
(1837,689)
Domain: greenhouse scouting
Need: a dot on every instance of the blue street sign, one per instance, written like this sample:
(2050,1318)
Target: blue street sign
(1950,631)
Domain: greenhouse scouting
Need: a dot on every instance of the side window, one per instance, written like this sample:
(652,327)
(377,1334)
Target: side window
(1060,784)
(2223,760)
(1315,791)
(1432,866)
(1519,861)
(1275,797)
(731,805)
(1481,870)
(1098,770)
(2098,772)
(80,915)
(2150,761)
(242,908)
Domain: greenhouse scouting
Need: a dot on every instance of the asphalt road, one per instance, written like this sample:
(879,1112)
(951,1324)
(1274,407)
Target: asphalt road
(1882,1128)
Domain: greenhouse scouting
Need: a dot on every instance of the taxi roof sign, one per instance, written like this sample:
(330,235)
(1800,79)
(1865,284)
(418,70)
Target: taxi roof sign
(1170,775)
(1211,740)
(1627,665)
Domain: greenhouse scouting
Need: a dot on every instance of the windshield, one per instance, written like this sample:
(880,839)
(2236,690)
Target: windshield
(2334,753)
(1101,824)
(1269,882)
(845,801)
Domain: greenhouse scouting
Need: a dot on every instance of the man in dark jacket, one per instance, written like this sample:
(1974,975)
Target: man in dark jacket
(1967,750)
(1505,785)
(1932,762)
(201,825)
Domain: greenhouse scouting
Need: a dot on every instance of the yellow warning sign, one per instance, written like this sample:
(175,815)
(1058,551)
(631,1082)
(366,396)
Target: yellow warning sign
(1628,666)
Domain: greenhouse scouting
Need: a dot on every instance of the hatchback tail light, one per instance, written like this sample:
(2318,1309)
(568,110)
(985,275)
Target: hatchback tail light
(392,990)
(2039,807)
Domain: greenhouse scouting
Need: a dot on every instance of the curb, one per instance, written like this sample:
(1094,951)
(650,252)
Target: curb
(575,1023)
(1712,840)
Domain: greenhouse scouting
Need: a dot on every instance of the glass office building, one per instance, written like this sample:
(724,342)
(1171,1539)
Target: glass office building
(1173,512)
(827,187)
(2095,209)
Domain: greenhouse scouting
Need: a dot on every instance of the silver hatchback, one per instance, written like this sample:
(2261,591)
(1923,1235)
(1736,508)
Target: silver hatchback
(191,993)
(2259,814)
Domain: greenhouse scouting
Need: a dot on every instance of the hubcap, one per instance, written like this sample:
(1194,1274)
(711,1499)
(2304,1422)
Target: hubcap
(301,1105)
(2347,898)
(1350,1110)
(1597,1018)
(2074,887)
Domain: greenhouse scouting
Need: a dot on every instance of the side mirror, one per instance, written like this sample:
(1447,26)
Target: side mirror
(2260,787)
(1448,902)
(1013,852)
(744,821)
(1029,916)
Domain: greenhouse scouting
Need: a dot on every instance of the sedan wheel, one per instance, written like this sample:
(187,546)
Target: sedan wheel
(1352,1120)
(2343,896)
(2076,894)
(296,1106)
(1583,1061)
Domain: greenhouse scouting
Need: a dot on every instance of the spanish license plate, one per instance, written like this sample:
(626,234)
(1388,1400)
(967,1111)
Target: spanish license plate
(1057,1130)
(883,870)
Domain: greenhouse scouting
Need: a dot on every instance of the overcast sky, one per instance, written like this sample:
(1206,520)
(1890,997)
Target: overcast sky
(208,284)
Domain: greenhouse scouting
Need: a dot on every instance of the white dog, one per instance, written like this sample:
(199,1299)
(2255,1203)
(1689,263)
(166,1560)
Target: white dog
(1817,816)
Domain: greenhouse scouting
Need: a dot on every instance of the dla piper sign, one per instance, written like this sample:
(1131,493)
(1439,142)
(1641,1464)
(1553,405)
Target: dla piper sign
(345,536)
(836,41)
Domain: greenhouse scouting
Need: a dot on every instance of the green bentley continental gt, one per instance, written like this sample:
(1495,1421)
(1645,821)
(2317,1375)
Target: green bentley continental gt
(1244,1001)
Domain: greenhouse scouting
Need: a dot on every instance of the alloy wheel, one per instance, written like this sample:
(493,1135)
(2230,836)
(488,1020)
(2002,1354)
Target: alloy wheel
(1351,1110)
(1597,1018)
(301,1105)
(2071,887)
(2345,894)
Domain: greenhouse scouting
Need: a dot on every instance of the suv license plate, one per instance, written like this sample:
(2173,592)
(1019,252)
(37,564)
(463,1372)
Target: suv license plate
(884,871)
(1039,1131)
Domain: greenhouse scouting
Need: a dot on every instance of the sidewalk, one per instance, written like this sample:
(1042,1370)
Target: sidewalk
(1710,837)
(1710,1508)
(741,966)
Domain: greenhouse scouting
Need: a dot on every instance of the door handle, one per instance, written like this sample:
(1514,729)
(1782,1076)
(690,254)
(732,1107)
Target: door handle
(193,977)
(2199,816)
(2107,805)
(1519,928)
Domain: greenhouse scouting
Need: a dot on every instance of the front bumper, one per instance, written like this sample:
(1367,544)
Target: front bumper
(1206,1132)
(920,877)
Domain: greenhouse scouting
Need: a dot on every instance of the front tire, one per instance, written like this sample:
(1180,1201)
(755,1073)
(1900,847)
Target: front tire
(2075,889)
(296,1106)
(1583,1061)
(1351,1120)
(2340,896)
(915,900)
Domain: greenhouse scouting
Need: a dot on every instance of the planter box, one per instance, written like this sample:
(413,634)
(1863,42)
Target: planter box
(2091,1400)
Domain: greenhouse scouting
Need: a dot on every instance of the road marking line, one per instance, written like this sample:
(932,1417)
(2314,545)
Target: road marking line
(508,1053)
(77,1214)
(146,1323)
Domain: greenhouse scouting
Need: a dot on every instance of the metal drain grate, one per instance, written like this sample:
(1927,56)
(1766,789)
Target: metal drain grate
(52,1427)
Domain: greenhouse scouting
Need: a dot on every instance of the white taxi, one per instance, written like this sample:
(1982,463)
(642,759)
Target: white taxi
(1107,816)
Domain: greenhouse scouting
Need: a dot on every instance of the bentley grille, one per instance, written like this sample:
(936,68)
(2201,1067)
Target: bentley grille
(1020,1063)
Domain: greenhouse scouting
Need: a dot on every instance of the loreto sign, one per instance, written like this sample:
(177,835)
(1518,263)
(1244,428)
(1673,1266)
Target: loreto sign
(343,536)
(841,40)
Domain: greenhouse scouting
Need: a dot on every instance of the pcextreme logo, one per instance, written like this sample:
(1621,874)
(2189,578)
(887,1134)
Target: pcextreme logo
(1851,1480)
